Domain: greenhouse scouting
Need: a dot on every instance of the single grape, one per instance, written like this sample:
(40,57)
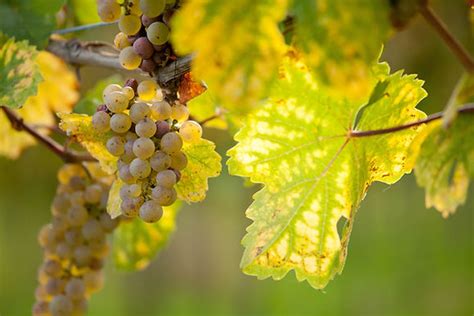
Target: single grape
(131,190)
(161,110)
(138,111)
(171,143)
(132,83)
(60,205)
(190,131)
(179,161)
(94,281)
(121,40)
(52,268)
(77,215)
(130,206)
(158,33)
(93,194)
(75,289)
(101,121)
(129,92)
(109,89)
(143,47)
(134,7)
(143,148)
(128,154)
(166,178)
(140,168)
(146,21)
(126,176)
(92,230)
(163,195)
(108,223)
(60,305)
(73,237)
(152,8)
(108,10)
(162,127)
(151,211)
(160,161)
(129,59)
(41,308)
(120,123)
(82,255)
(129,24)
(179,112)
(116,101)
(115,145)
(148,65)
(63,250)
(147,90)
(145,128)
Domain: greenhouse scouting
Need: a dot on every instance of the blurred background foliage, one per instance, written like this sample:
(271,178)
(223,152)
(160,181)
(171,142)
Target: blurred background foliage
(403,259)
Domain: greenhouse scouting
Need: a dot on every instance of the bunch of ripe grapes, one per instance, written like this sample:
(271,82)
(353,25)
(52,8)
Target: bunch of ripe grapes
(147,137)
(74,243)
(144,31)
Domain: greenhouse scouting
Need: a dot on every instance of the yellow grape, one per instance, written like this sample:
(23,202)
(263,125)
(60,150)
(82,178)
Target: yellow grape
(130,24)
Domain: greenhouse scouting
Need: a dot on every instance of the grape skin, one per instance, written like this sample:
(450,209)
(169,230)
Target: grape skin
(140,168)
(147,90)
(152,8)
(129,24)
(166,178)
(143,148)
(171,143)
(190,131)
(101,121)
(145,128)
(120,123)
(129,59)
(158,33)
(161,110)
(151,211)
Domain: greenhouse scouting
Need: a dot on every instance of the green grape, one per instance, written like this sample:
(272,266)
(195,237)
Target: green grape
(129,24)
(92,230)
(77,215)
(52,268)
(93,193)
(108,10)
(128,91)
(145,128)
(163,195)
(73,237)
(60,305)
(120,123)
(130,206)
(151,211)
(126,176)
(109,89)
(121,41)
(115,145)
(60,205)
(138,111)
(108,223)
(54,286)
(158,33)
(161,110)
(132,190)
(82,255)
(143,148)
(179,161)
(152,8)
(75,289)
(129,59)
(190,131)
(140,168)
(160,161)
(179,112)
(94,281)
(166,178)
(147,90)
(171,143)
(116,101)
(101,121)
(63,250)
(134,7)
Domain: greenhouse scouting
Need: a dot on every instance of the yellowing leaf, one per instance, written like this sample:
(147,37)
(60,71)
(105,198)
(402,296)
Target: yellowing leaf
(114,200)
(19,75)
(237,43)
(298,146)
(57,92)
(341,39)
(203,163)
(136,243)
(79,127)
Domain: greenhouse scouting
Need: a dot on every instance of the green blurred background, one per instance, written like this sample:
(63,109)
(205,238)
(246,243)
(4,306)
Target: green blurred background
(403,259)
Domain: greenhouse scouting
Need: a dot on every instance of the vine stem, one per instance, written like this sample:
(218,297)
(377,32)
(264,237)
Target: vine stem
(466,108)
(83,27)
(66,155)
(456,47)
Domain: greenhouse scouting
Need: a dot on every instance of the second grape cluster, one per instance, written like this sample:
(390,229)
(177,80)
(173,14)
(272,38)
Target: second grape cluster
(148,135)
(144,31)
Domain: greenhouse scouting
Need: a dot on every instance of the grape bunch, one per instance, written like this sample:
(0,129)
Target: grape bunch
(144,31)
(148,135)
(74,244)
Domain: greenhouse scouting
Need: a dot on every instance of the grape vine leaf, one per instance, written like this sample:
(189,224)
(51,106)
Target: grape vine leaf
(19,73)
(57,92)
(114,200)
(339,40)
(463,93)
(79,127)
(298,145)
(444,162)
(203,163)
(237,44)
(33,20)
(136,243)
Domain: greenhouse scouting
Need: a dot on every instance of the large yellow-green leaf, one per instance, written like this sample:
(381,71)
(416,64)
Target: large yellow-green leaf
(19,74)
(237,44)
(314,174)
(114,201)
(203,163)
(341,39)
(463,93)
(79,127)
(136,243)
(445,162)
(85,11)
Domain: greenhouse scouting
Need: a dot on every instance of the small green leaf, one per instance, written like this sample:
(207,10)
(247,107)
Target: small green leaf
(341,39)
(85,11)
(314,174)
(463,93)
(237,43)
(136,243)
(19,73)
(33,20)
(93,97)
(79,127)
(203,163)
